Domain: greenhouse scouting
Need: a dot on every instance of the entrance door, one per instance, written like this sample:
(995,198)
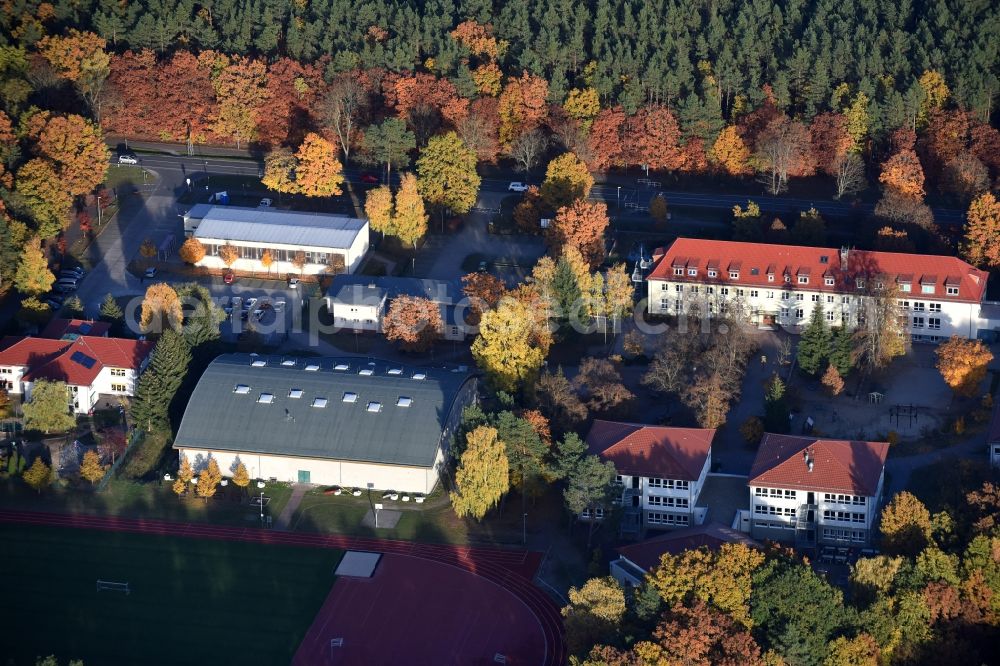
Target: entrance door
(811,498)
(304,476)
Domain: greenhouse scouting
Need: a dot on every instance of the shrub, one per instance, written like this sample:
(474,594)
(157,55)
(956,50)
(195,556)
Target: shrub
(752,430)
(144,457)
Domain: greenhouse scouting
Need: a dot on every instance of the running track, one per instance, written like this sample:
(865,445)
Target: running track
(511,569)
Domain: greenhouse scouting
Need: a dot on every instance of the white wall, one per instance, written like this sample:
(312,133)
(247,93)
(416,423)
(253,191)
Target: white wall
(363,317)
(956,318)
(11,376)
(352,256)
(322,472)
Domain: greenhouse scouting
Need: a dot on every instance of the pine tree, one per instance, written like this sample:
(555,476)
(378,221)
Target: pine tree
(775,406)
(566,289)
(158,385)
(842,353)
(815,343)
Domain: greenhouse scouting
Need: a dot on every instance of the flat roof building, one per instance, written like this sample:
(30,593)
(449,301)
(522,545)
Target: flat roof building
(329,243)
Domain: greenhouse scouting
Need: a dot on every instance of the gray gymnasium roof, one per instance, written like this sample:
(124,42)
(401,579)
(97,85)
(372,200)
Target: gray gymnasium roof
(223,416)
(279,227)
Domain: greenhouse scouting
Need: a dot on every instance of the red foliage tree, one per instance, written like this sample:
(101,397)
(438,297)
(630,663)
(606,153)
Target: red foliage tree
(293,90)
(606,139)
(830,141)
(653,138)
(582,225)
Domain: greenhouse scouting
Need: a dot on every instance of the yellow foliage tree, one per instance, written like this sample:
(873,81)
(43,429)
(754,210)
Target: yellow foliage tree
(76,147)
(266,260)
(378,208)
(583,105)
(279,171)
(91,468)
(482,476)
(962,364)
(566,180)
(409,221)
(38,475)
(192,251)
(935,91)
(658,209)
(44,196)
(731,152)
(229,254)
(595,611)
(33,276)
(79,57)
(510,348)
(905,525)
(487,79)
(981,245)
(162,306)
(184,476)
(208,480)
(241,477)
(318,172)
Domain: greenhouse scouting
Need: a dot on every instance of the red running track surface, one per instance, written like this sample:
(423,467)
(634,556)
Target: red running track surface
(510,570)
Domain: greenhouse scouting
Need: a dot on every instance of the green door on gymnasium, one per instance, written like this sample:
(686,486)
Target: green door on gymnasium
(303,476)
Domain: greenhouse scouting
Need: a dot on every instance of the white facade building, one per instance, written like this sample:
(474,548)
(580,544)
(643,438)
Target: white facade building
(90,366)
(327,243)
(661,471)
(816,491)
(782,284)
(993,438)
(346,422)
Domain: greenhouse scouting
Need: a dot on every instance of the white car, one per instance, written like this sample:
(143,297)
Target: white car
(517,187)
(128,159)
(279,305)
(293,283)
(264,203)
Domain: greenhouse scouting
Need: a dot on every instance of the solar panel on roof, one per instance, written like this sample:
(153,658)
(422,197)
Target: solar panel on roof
(85,328)
(82,359)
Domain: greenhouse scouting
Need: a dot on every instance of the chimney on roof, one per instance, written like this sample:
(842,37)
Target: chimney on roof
(809,463)
(845,253)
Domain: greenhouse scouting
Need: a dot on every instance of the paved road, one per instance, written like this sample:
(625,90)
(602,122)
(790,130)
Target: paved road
(616,191)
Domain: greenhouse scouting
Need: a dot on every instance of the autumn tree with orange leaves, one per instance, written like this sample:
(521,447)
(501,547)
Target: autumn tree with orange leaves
(44,196)
(981,245)
(192,251)
(414,322)
(161,308)
(831,141)
(902,178)
(566,180)
(80,58)
(77,149)
(522,106)
(581,225)
(653,139)
(731,152)
(962,364)
(783,150)
(606,138)
(484,291)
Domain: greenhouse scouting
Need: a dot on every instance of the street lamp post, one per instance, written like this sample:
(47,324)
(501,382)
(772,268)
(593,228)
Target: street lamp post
(619,197)
(98,210)
(524,529)
(262,509)
(372,505)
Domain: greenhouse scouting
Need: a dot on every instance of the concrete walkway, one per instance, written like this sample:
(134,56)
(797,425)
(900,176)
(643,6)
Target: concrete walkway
(285,519)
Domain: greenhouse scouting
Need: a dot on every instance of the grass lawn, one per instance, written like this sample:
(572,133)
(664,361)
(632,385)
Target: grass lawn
(190,601)
(145,500)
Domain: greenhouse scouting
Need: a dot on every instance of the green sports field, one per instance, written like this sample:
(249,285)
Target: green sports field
(190,601)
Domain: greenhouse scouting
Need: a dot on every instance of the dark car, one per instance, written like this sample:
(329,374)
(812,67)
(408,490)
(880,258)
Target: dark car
(228,277)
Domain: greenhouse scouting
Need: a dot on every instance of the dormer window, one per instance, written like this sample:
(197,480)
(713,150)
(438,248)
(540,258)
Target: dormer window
(803,279)
(904,287)
(927,289)
(712,273)
(678,270)
(734,275)
(828,281)
(788,278)
(952,290)
(770,277)
(692,272)
(860,282)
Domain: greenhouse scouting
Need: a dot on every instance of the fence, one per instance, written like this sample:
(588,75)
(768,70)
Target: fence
(132,443)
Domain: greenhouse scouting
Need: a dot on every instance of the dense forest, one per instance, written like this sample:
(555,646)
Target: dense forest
(706,59)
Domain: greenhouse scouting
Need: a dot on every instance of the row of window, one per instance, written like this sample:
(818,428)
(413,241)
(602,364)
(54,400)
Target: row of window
(119,388)
(933,323)
(852,536)
(765,510)
(755,293)
(844,516)
(676,502)
(828,280)
(667,483)
(247,252)
(769,524)
(774,492)
(844,499)
(918,306)
(117,372)
(660,518)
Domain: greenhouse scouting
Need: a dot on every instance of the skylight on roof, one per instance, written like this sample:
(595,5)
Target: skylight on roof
(288,363)
(374,407)
(295,393)
(242,389)
(419,376)
(367,372)
(266,398)
(350,397)
(341,367)
(258,363)
(395,371)
(312,367)
(403,401)
(319,402)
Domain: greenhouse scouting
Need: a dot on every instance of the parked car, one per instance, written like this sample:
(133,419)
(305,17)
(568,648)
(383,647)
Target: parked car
(369,179)
(65,287)
(517,187)
(229,277)
(264,203)
(150,273)
(249,304)
(293,283)
(76,271)
(71,275)
(279,305)
(128,158)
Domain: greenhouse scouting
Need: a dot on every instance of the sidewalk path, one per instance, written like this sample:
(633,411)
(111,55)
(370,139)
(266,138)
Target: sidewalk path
(285,519)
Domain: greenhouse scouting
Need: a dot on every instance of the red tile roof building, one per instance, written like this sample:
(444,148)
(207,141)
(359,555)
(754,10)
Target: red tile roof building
(636,559)
(816,490)
(661,469)
(781,283)
(91,366)
(65,328)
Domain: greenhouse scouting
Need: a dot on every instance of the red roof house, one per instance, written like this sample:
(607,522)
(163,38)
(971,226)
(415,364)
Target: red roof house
(830,465)
(652,451)
(70,328)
